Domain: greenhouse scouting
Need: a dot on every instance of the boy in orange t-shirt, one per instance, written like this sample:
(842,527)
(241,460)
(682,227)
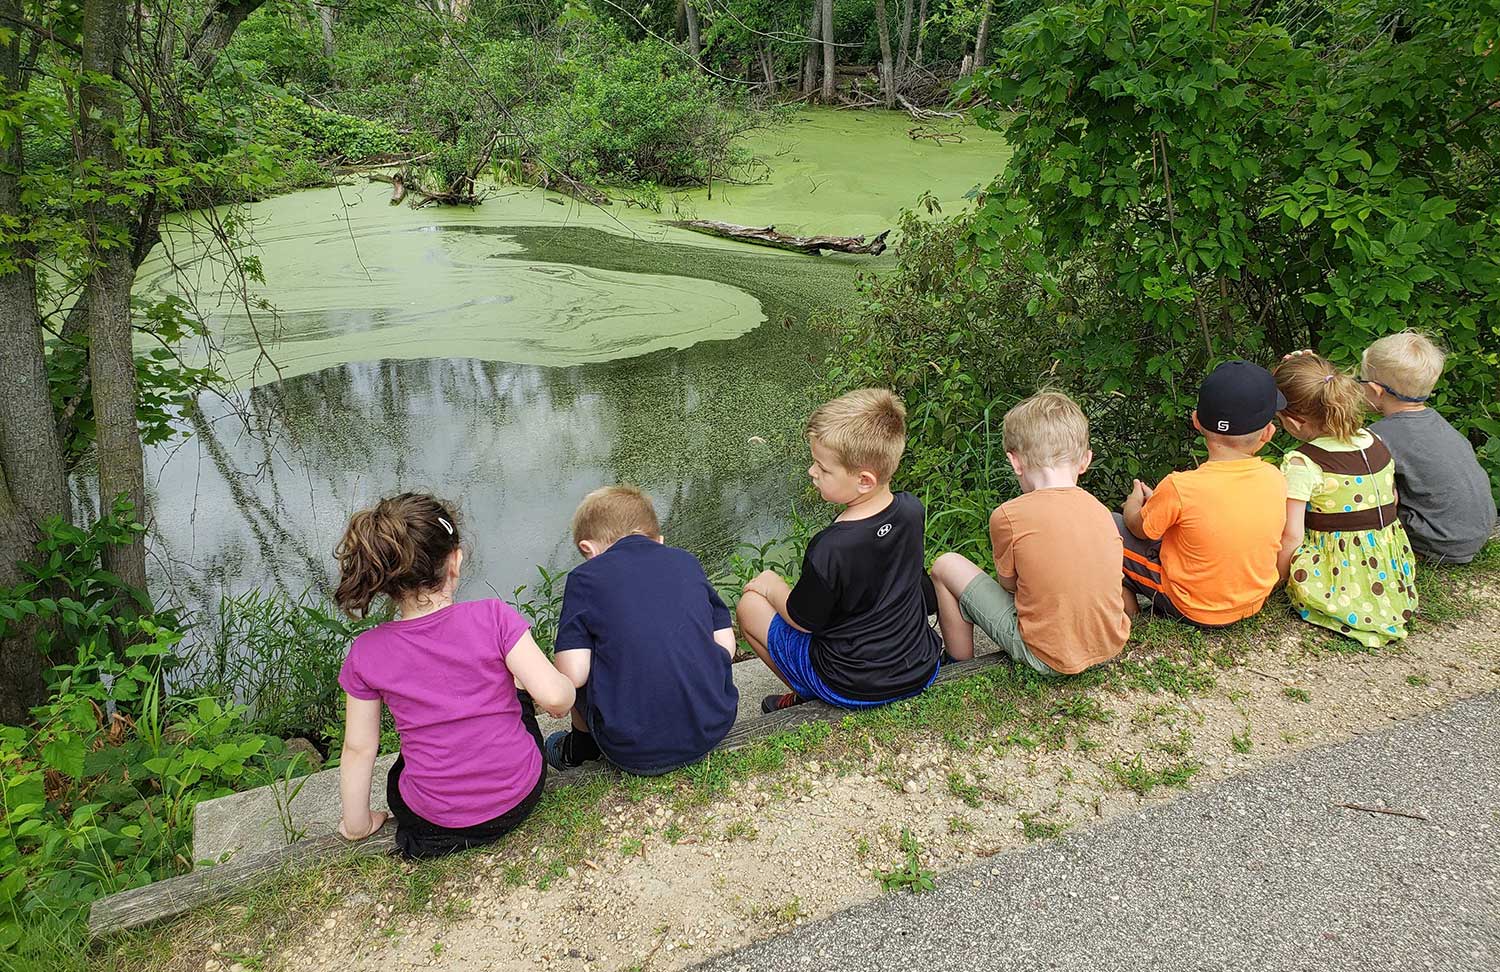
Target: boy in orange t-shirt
(1202,546)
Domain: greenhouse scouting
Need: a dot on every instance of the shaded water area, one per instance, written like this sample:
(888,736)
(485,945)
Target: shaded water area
(514,356)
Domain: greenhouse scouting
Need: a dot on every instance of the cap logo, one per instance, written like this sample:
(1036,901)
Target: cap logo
(1222,425)
(884,529)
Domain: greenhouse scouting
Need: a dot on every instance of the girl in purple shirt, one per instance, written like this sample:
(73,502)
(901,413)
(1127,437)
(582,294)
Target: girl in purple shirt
(471,765)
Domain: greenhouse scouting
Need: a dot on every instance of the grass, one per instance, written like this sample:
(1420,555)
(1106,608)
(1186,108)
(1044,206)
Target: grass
(1135,775)
(907,875)
(1241,742)
(965,791)
(1000,707)
(1033,827)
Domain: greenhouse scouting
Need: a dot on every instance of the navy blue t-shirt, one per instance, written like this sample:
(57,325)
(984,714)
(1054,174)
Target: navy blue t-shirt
(660,694)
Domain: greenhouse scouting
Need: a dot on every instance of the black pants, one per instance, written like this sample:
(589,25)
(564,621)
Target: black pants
(421,839)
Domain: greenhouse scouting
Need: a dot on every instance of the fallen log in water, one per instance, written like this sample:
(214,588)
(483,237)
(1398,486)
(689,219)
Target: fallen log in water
(401,186)
(767,236)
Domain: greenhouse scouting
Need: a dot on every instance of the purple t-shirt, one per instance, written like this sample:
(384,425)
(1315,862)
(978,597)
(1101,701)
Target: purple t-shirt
(468,757)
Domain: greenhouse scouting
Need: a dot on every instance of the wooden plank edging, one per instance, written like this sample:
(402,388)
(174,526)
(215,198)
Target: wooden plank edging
(174,896)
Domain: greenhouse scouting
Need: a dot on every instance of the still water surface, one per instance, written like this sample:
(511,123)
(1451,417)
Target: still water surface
(516,355)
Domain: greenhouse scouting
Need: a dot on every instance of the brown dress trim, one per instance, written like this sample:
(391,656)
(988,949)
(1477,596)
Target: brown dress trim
(1372,518)
(1361,462)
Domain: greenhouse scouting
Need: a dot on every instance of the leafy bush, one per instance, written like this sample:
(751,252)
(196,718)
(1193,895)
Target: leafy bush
(280,657)
(98,796)
(1246,184)
(638,114)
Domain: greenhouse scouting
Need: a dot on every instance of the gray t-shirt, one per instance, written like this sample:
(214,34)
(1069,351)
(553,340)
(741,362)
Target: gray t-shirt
(1444,496)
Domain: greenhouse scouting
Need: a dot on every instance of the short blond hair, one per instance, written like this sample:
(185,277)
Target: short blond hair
(865,429)
(612,512)
(1408,363)
(1046,430)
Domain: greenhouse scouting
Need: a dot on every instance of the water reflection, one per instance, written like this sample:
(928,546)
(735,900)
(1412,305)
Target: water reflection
(259,493)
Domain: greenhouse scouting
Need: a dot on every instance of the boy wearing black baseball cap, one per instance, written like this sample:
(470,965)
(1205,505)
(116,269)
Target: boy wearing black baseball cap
(1202,546)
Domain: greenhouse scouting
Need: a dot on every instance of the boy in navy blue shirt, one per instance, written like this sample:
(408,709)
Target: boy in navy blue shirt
(647,641)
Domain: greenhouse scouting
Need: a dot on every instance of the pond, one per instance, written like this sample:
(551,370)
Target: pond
(514,356)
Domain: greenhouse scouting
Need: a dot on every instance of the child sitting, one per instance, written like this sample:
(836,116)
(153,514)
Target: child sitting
(470,768)
(1202,545)
(854,630)
(1442,495)
(647,641)
(1344,556)
(1057,614)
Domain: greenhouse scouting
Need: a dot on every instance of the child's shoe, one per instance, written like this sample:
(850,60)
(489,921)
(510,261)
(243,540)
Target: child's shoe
(775,703)
(570,749)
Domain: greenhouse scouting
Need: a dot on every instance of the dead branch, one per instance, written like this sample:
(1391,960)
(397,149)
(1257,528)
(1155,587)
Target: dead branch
(767,236)
(924,114)
(1392,813)
(921,132)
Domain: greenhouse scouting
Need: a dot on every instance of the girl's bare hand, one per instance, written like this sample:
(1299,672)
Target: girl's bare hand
(377,820)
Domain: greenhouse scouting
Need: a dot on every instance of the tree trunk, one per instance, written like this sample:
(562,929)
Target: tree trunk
(325,21)
(111,273)
(887,72)
(904,49)
(810,59)
(830,79)
(982,39)
(220,21)
(921,31)
(768,67)
(32,482)
(694,32)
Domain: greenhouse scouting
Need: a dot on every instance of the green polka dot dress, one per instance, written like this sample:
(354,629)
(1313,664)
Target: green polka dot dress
(1354,572)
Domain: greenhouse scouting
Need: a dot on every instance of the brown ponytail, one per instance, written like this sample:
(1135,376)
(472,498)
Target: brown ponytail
(399,548)
(1319,393)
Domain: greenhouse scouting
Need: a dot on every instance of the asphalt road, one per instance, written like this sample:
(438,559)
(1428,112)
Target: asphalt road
(1258,872)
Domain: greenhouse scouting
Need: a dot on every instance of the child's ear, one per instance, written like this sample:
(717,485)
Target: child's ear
(1197,424)
(1015,464)
(588,548)
(1373,394)
(1268,433)
(867,481)
(455,561)
(1088,460)
(659,538)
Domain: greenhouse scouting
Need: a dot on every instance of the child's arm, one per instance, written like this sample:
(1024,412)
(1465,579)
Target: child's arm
(548,687)
(1134,507)
(357,765)
(775,590)
(1291,536)
(574,664)
(1000,543)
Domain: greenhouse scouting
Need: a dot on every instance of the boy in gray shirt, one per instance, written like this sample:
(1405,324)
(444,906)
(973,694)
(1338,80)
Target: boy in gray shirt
(1444,497)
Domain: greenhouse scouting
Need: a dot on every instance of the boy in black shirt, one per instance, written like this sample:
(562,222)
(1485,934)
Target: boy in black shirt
(854,630)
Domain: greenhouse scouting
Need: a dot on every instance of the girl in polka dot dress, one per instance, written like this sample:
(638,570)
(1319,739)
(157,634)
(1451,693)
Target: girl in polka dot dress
(1344,556)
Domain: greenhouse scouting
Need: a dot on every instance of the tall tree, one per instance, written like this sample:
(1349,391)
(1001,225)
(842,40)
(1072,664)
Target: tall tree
(127,62)
(982,36)
(904,46)
(32,484)
(810,57)
(830,78)
(101,115)
(887,69)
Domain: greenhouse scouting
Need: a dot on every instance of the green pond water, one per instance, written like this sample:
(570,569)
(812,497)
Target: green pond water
(515,355)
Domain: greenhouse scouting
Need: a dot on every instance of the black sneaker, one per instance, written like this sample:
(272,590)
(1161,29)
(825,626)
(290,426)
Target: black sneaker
(775,703)
(570,749)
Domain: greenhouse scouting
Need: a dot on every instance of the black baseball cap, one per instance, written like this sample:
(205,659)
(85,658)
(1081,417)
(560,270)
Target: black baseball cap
(1238,398)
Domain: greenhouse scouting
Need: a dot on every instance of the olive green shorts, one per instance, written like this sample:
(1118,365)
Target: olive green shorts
(991,608)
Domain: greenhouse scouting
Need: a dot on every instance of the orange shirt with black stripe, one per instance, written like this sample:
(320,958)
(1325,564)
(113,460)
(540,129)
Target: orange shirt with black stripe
(1220,529)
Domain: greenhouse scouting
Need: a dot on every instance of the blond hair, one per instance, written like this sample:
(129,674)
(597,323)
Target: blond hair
(865,429)
(1317,392)
(1046,430)
(612,512)
(1408,363)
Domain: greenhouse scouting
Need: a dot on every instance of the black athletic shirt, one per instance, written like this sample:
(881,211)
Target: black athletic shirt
(865,597)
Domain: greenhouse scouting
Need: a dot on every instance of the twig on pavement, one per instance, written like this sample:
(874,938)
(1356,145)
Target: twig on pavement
(1393,813)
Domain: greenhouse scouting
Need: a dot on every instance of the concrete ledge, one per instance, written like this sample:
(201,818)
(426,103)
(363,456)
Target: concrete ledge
(316,809)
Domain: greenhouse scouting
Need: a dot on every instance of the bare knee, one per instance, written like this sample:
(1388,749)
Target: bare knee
(953,571)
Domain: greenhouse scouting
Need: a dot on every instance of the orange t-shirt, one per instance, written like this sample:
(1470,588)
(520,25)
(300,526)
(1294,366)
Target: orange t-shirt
(1060,551)
(1220,529)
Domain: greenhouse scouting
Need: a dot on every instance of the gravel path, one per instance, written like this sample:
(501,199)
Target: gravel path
(1259,872)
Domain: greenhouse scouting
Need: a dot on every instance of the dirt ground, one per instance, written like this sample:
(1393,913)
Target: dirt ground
(664,888)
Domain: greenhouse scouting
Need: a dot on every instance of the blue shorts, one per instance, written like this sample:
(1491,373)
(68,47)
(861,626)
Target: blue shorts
(789,650)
